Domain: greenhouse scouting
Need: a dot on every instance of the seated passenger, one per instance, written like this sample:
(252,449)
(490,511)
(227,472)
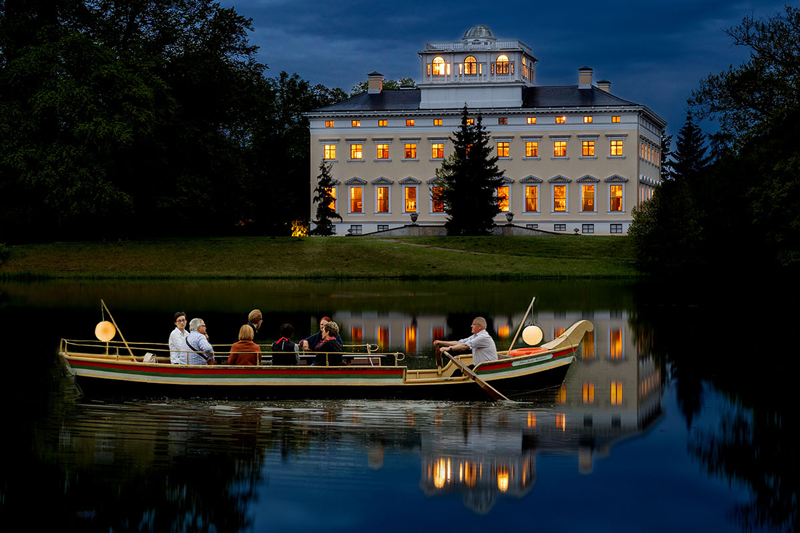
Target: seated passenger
(201,352)
(284,351)
(330,347)
(245,352)
(177,340)
(310,342)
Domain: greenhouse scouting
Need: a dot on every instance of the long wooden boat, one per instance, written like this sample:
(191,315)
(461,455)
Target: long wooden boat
(117,369)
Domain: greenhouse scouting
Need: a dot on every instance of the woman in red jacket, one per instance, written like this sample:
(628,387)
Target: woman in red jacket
(245,352)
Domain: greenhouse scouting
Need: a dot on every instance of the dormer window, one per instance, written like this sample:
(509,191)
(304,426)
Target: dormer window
(470,65)
(438,66)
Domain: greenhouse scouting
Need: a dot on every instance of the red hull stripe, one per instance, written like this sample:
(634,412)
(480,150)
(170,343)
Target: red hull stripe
(507,363)
(169,370)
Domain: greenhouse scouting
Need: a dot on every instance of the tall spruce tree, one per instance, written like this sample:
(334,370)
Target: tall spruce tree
(690,151)
(325,201)
(469,179)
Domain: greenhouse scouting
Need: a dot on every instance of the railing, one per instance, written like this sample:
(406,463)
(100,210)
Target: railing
(120,351)
(466,46)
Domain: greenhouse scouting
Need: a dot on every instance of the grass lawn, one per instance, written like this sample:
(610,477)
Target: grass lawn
(331,257)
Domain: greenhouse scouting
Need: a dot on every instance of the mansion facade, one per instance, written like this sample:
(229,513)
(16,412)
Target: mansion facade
(574,158)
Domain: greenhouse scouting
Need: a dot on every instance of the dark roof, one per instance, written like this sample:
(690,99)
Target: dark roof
(386,100)
(569,96)
(547,96)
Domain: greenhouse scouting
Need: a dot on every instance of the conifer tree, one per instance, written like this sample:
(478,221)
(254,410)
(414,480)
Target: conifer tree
(469,179)
(325,201)
(690,151)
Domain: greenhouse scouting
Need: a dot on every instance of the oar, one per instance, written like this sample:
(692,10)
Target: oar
(491,391)
(522,324)
(118,331)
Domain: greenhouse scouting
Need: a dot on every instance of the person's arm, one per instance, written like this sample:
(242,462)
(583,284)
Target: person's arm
(454,346)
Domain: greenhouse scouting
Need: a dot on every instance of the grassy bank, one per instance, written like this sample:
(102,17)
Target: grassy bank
(334,257)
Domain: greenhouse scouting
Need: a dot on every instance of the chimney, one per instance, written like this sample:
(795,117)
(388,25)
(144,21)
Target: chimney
(375,84)
(604,85)
(585,78)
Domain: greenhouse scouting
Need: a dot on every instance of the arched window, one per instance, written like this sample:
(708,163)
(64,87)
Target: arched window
(470,65)
(438,66)
(502,64)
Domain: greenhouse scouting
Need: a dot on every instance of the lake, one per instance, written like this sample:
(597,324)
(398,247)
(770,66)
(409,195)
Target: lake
(678,415)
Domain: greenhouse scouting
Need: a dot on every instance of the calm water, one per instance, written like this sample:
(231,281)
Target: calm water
(675,417)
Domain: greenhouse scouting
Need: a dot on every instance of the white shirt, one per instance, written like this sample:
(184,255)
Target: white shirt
(177,346)
(482,346)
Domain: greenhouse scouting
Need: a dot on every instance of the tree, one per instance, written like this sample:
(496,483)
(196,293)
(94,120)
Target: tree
(469,179)
(326,202)
(690,152)
(756,95)
(666,157)
(387,84)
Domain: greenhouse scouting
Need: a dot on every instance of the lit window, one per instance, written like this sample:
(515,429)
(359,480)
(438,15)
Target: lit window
(438,66)
(356,194)
(616,393)
(330,151)
(587,228)
(438,206)
(616,198)
(328,123)
(332,193)
(616,148)
(382,123)
(355,123)
(559,198)
(531,120)
(356,151)
(437,151)
(410,199)
(532,149)
(502,64)
(470,65)
(588,120)
(531,198)
(411,339)
(616,228)
(588,148)
(615,119)
(560,148)
(558,331)
(437,122)
(587,198)
(502,149)
(615,344)
(357,334)
(411,151)
(410,122)
(561,120)
(502,199)
(383,151)
(559,227)
(588,393)
(502,120)
(470,121)
(382,196)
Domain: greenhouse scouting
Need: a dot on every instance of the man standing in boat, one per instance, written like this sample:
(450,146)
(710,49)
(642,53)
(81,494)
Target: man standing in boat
(178,351)
(254,320)
(480,343)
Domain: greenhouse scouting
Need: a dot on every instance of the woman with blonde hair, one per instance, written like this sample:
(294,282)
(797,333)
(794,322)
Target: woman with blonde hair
(245,352)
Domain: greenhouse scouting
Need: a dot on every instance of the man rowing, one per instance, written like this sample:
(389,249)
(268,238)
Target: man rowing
(480,343)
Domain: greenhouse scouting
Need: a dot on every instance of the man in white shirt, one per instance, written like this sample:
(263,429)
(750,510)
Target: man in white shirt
(480,343)
(178,351)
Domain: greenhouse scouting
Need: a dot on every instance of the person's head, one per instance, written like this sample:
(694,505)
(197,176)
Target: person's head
(197,324)
(478,324)
(322,321)
(180,320)
(255,317)
(332,328)
(245,333)
(287,330)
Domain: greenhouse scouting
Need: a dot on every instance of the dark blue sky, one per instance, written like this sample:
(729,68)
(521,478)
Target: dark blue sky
(653,53)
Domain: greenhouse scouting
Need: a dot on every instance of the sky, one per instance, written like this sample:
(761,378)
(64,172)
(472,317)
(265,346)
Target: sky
(653,53)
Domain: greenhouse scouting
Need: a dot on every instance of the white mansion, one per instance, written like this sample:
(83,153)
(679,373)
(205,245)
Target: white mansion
(574,157)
